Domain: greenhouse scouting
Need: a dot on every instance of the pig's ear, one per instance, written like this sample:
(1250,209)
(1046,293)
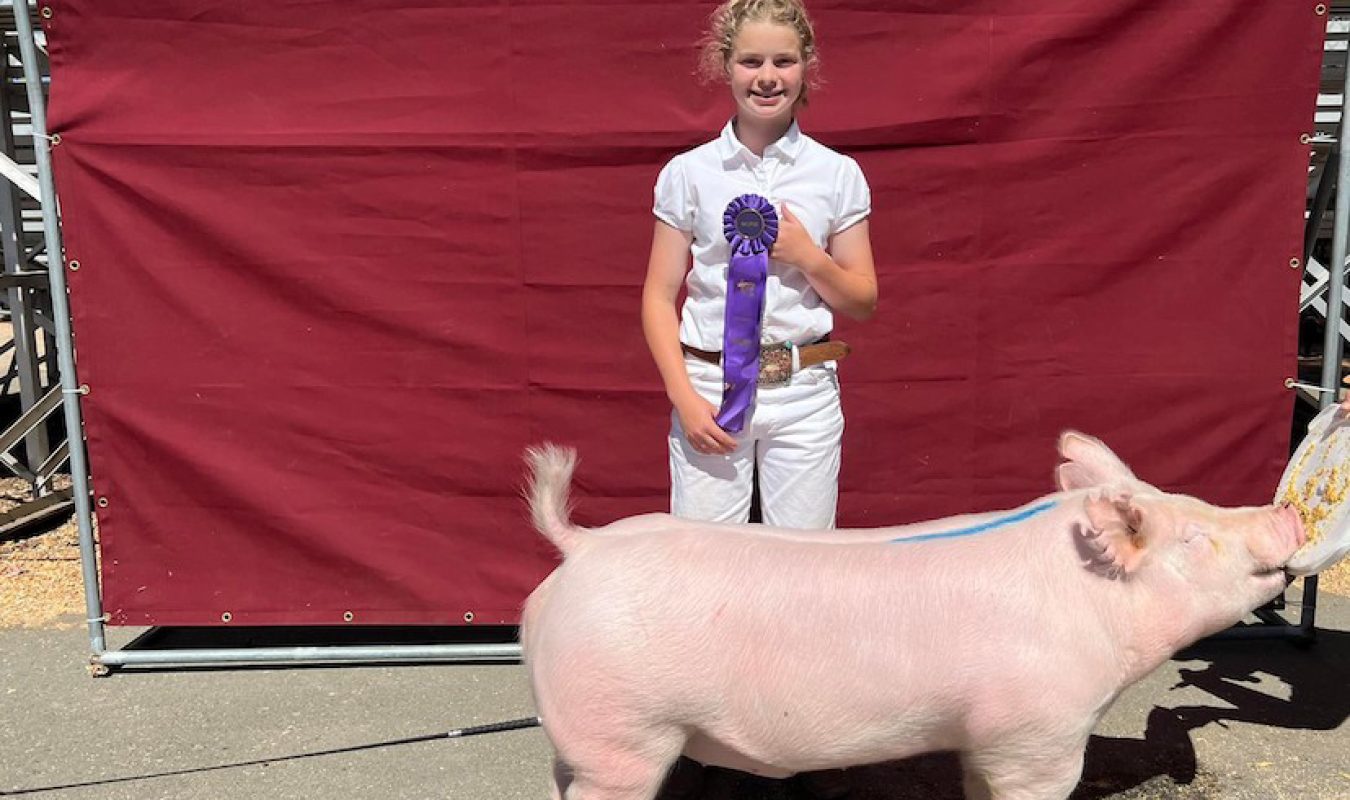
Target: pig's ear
(1111,541)
(1088,462)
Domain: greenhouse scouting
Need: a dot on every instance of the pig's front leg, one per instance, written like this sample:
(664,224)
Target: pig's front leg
(622,763)
(1039,770)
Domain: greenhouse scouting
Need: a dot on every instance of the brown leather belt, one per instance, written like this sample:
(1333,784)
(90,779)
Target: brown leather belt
(775,360)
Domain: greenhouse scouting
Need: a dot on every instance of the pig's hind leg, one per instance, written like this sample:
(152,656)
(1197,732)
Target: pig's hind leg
(559,779)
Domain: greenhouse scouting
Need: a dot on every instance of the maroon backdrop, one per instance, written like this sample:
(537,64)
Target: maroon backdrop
(341,262)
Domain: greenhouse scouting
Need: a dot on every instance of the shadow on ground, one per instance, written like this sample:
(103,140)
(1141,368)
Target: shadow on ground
(1163,762)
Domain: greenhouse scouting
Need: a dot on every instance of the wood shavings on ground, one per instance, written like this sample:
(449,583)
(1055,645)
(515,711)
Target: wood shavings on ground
(41,585)
(1337,579)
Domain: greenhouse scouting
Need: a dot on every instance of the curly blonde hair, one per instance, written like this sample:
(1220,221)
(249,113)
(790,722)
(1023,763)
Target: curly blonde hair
(726,22)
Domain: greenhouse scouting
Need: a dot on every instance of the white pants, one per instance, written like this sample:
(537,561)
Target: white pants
(793,433)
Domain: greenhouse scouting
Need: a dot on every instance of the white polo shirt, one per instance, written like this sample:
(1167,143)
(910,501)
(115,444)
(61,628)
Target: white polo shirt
(826,190)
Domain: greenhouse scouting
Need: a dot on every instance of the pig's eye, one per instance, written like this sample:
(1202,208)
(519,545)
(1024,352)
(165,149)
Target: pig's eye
(1193,534)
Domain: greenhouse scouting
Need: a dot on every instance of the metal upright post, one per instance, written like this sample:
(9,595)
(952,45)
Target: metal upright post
(1331,343)
(51,228)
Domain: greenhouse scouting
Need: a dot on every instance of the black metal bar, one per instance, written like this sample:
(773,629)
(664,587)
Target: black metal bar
(30,419)
(1308,617)
(22,281)
(1322,194)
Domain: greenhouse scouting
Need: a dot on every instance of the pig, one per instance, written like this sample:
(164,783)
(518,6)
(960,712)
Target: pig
(1002,636)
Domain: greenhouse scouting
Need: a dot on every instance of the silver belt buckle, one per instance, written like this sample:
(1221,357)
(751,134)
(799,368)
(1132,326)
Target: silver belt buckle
(775,365)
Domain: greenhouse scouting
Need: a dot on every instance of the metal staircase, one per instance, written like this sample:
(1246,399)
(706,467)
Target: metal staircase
(30,391)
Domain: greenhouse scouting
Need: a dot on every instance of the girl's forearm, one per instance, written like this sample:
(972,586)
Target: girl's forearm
(661,328)
(852,294)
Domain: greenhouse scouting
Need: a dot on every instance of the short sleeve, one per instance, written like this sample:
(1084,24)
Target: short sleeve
(674,202)
(853,196)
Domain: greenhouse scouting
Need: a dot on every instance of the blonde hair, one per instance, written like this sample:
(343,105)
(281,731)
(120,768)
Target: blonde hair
(726,22)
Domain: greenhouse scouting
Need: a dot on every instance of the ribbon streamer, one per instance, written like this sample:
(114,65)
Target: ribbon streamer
(751,226)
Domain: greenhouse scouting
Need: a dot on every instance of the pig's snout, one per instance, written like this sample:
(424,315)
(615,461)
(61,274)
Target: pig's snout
(1287,536)
(1290,525)
(1273,536)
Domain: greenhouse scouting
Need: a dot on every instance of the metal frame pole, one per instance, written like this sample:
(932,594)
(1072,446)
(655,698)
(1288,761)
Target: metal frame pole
(509,653)
(1331,342)
(51,228)
(78,456)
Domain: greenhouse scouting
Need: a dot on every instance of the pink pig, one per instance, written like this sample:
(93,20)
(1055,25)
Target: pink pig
(1003,636)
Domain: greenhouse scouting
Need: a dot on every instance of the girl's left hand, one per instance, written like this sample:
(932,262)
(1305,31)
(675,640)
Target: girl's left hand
(794,244)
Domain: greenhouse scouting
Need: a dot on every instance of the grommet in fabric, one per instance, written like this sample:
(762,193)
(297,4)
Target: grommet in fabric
(1321,9)
(84,388)
(74,266)
(468,616)
(56,139)
(103,502)
(1288,383)
(1295,263)
(226,617)
(348,616)
(46,12)
(1304,138)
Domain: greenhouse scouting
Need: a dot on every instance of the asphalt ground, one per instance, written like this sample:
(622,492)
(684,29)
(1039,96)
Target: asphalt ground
(1242,719)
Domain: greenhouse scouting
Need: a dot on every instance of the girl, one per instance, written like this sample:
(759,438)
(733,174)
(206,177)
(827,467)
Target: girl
(820,264)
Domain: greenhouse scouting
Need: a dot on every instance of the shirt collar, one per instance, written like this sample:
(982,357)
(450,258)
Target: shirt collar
(786,148)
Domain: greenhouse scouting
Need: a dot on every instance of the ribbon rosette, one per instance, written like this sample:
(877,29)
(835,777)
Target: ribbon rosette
(751,226)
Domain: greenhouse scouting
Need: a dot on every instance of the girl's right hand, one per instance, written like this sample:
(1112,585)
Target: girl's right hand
(698,420)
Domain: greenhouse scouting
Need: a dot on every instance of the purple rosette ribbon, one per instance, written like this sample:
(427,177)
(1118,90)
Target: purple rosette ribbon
(751,226)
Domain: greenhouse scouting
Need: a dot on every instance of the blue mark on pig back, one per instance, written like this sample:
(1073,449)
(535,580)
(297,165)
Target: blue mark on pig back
(983,527)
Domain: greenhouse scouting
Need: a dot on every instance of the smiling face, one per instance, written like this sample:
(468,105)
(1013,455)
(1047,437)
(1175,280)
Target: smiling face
(766,70)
